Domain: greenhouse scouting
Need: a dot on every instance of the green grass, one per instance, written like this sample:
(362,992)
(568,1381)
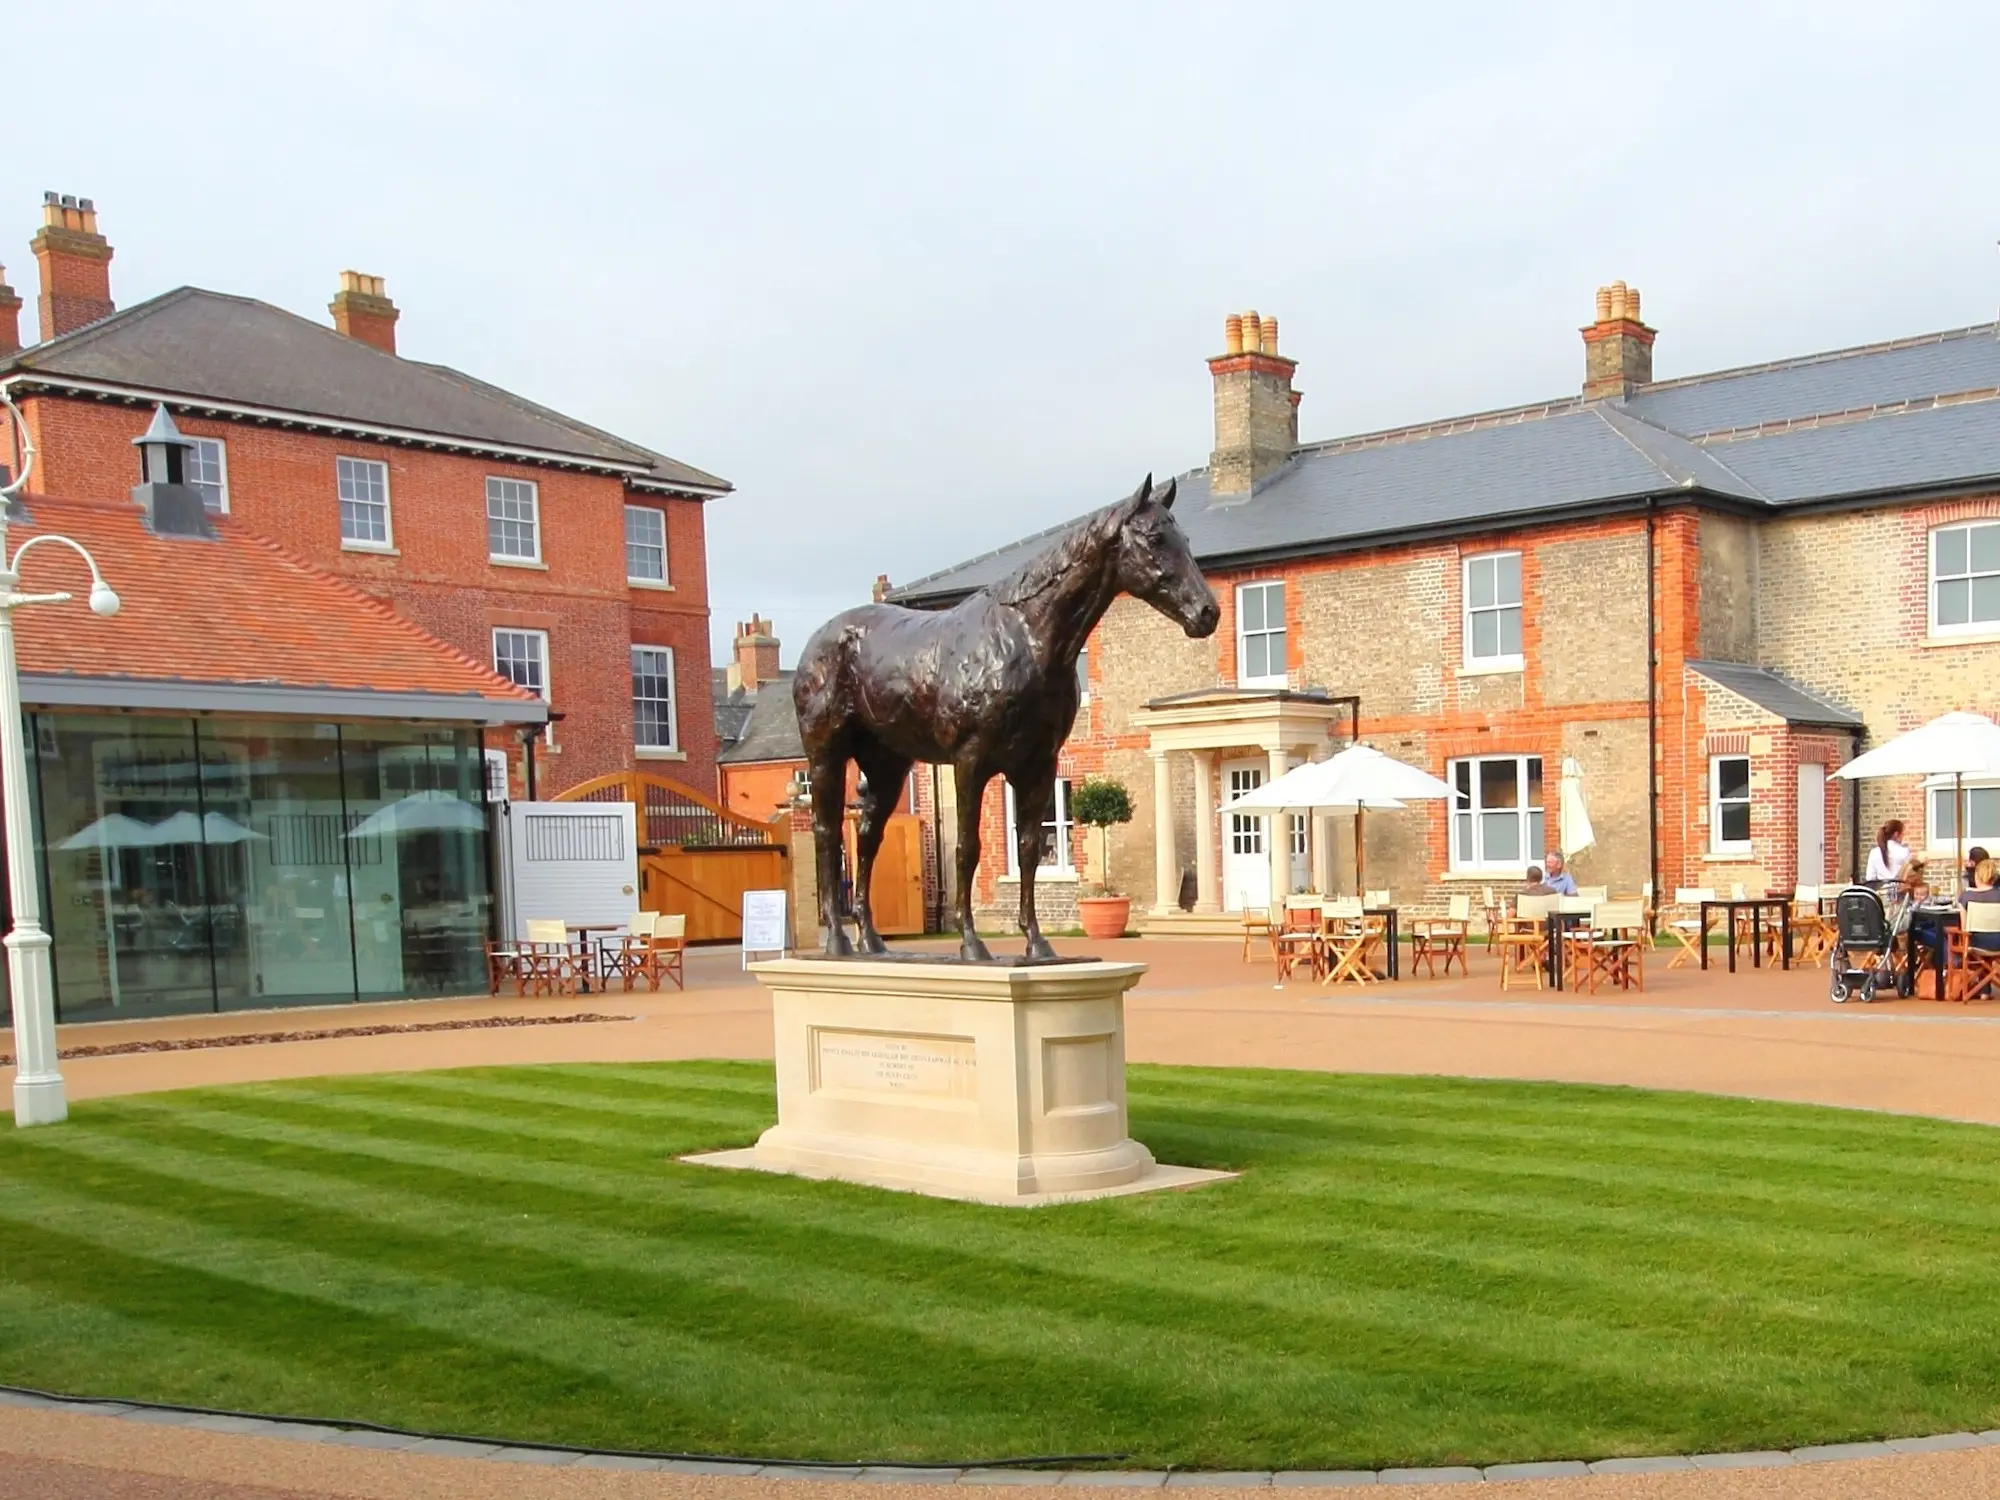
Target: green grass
(1411,1271)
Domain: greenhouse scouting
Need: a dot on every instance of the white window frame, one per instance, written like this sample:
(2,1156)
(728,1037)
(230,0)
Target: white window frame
(672,700)
(1938,793)
(1064,862)
(1498,660)
(387,542)
(1529,813)
(1083,675)
(1971,577)
(665,580)
(221,486)
(1270,586)
(547,689)
(1717,844)
(507,497)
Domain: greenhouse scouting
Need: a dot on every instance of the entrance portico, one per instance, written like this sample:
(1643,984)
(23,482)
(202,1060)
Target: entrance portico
(1284,727)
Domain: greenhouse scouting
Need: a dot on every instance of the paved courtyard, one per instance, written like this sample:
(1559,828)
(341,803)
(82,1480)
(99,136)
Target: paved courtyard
(1756,1033)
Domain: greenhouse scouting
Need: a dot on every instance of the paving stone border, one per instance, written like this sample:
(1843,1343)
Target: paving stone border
(396,1440)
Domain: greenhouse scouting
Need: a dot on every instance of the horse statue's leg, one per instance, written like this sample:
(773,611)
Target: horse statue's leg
(971,786)
(884,774)
(829,805)
(1031,811)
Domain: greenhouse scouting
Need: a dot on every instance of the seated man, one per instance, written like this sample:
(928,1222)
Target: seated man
(1558,879)
(1536,885)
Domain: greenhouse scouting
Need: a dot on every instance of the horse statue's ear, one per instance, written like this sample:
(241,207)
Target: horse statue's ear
(1167,496)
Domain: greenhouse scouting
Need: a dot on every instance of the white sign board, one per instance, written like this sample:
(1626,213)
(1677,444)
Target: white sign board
(765,929)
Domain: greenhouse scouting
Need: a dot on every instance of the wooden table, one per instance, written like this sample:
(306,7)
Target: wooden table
(1756,906)
(1389,935)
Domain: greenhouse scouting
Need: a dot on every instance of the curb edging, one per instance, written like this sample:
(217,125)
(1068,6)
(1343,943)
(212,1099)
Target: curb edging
(395,1440)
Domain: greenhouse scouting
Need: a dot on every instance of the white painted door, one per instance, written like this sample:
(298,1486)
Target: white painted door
(1246,867)
(1302,867)
(577,861)
(1812,823)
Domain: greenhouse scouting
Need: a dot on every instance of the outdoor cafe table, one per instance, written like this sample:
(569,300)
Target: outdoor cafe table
(1756,906)
(1559,920)
(1393,969)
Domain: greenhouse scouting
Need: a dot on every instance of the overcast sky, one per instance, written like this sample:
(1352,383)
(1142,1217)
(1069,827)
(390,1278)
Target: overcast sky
(920,278)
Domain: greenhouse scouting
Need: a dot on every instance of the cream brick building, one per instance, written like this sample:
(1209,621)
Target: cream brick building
(1709,592)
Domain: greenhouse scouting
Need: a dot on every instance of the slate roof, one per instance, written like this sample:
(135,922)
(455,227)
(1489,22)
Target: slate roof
(1790,701)
(236,611)
(771,726)
(1915,414)
(199,345)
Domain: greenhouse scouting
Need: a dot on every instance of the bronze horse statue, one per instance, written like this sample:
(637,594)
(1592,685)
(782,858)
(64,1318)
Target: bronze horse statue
(988,688)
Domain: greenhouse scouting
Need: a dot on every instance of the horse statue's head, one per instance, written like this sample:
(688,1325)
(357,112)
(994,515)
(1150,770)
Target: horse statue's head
(1151,561)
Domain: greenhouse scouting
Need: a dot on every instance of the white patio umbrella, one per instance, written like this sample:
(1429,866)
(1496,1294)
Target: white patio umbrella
(1303,789)
(210,828)
(1358,778)
(420,812)
(1957,745)
(1577,834)
(112,831)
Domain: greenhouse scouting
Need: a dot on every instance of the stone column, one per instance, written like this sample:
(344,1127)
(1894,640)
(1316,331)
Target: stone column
(1278,834)
(1166,857)
(1207,862)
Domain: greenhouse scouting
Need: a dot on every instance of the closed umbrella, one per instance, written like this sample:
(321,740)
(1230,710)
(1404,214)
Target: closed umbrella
(1577,834)
(1957,745)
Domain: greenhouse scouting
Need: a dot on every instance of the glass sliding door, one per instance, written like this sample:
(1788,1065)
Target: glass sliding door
(279,860)
(119,835)
(421,916)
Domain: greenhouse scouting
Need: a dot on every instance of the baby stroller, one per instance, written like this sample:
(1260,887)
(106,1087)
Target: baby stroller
(1864,945)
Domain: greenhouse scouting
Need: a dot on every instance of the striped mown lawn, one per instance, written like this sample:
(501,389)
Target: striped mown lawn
(1411,1271)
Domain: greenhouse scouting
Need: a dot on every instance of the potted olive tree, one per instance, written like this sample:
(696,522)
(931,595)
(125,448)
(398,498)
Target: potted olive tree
(1098,803)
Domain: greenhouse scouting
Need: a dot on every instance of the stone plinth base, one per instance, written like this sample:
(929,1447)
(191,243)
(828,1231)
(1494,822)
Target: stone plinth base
(966,1081)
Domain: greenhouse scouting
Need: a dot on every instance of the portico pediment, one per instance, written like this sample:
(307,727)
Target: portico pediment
(1227,718)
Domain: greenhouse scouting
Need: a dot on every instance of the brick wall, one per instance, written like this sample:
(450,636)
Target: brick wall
(282,484)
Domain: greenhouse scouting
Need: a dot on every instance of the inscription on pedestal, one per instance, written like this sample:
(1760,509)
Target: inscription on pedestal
(894,1064)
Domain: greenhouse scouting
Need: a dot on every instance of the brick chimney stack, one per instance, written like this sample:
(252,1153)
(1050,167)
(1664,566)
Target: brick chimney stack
(362,310)
(1618,347)
(756,656)
(75,261)
(10,318)
(881,590)
(1256,409)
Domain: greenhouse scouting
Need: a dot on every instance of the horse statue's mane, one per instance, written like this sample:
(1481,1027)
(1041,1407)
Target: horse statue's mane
(1047,567)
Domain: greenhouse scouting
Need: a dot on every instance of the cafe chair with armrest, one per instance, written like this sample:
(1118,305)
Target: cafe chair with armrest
(1611,949)
(1446,937)
(1974,972)
(1524,942)
(666,951)
(1376,899)
(1257,923)
(622,955)
(553,959)
(1593,893)
(1299,937)
(1685,924)
(1349,940)
(505,964)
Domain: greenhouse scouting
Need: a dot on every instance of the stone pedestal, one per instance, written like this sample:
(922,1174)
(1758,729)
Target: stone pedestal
(969,1081)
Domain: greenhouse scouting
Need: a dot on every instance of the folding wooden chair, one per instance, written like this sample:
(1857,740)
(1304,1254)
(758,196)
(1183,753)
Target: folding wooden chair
(1973,972)
(1611,949)
(622,956)
(1299,938)
(666,954)
(1686,928)
(1593,893)
(551,958)
(1812,933)
(1348,942)
(1492,908)
(504,967)
(1256,924)
(1376,898)
(1524,942)
(1446,937)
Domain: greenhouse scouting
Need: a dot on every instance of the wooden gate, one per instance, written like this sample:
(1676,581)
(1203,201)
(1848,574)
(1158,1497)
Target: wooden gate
(696,858)
(898,886)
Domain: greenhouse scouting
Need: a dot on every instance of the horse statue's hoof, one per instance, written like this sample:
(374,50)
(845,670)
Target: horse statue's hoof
(973,951)
(1040,948)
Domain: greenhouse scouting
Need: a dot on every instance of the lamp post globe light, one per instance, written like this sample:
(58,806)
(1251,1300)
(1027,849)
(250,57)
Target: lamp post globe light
(39,1097)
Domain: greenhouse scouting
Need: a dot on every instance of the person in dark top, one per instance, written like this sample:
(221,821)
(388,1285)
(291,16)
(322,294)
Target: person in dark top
(1972,858)
(1537,886)
(1983,886)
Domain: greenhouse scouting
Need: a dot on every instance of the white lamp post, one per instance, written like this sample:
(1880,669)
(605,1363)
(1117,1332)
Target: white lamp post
(39,1098)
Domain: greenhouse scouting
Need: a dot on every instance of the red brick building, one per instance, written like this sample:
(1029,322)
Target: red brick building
(571,560)
(1709,592)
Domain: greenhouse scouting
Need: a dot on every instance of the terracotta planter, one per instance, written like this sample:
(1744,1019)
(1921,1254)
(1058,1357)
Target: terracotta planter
(1104,916)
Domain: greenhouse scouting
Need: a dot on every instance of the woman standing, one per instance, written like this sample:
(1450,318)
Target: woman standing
(1890,854)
